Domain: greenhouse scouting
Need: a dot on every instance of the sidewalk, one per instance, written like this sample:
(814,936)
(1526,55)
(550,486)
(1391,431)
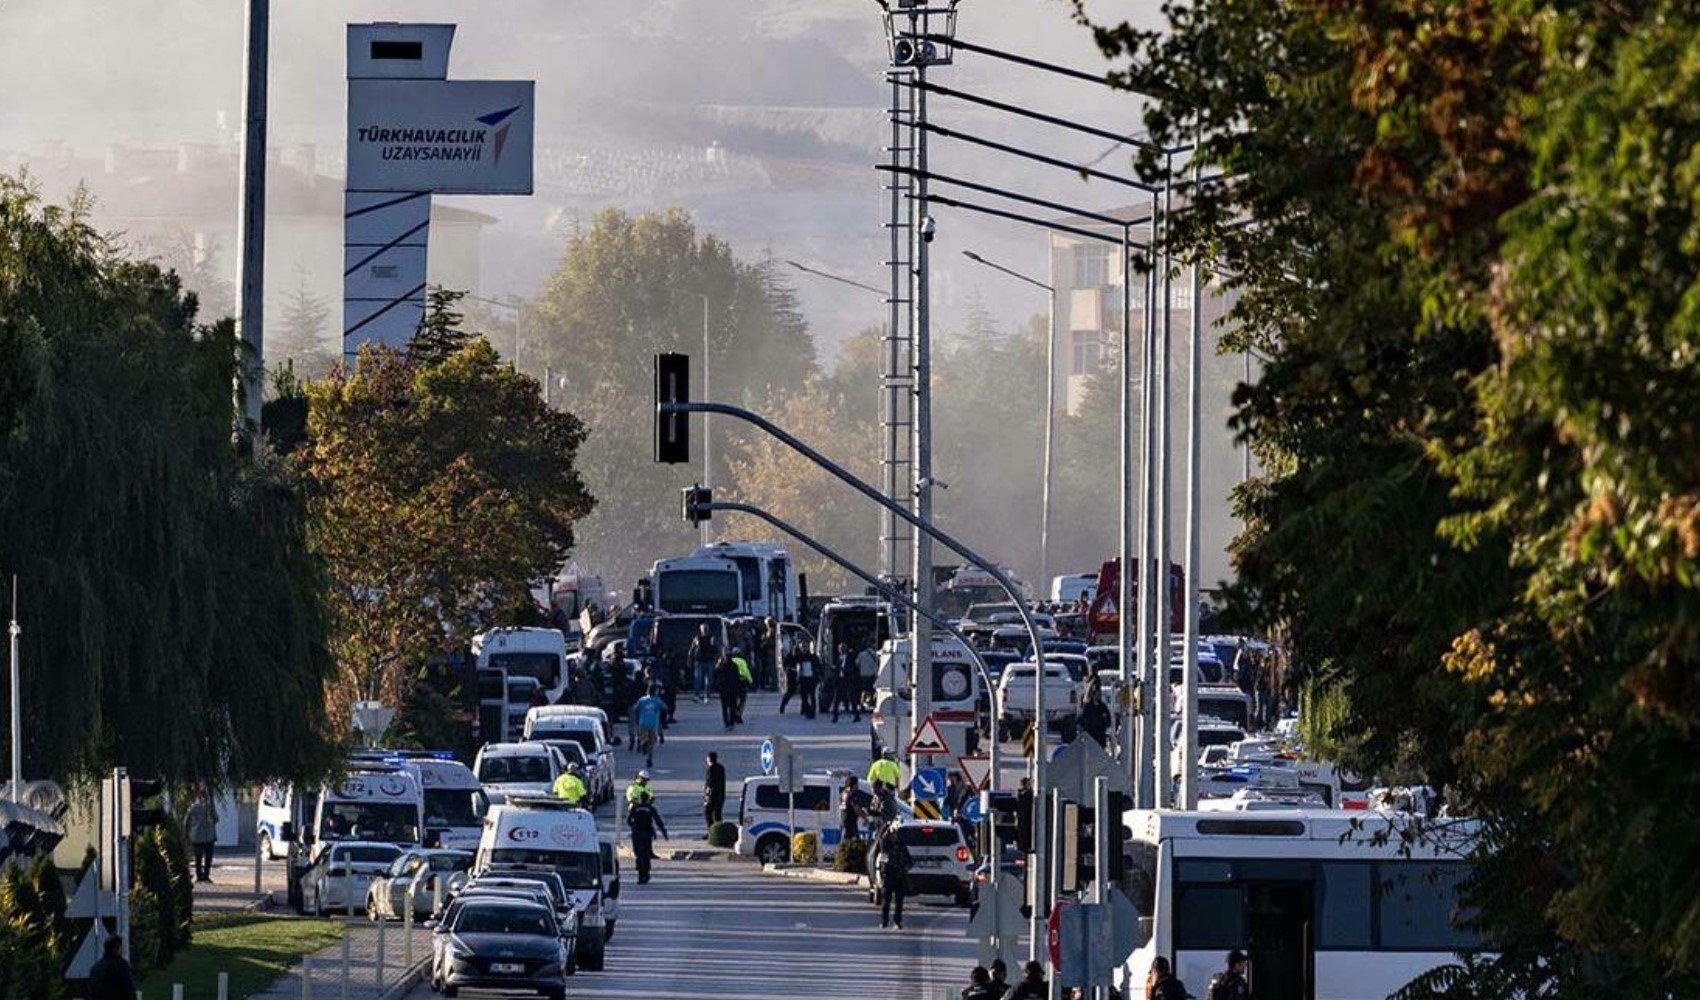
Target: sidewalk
(364,982)
(232,886)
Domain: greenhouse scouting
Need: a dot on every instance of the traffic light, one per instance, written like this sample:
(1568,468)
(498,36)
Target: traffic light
(672,430)
(697,499)
(1086,832)
(143,809)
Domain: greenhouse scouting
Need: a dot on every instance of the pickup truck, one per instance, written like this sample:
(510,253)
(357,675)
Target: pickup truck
(1015,699)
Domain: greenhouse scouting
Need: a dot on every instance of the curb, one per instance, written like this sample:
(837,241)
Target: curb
(405,982)
(691,854)
(809,873)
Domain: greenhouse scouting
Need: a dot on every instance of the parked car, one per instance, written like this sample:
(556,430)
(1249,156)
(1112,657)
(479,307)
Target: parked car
(500,944)
(416,874)
(341,876)
(944,866)
(516,770)
(1015,699)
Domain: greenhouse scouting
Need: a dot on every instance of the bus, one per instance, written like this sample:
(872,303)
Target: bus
(524,652)
(767,580)
(1329,905)
(695,585)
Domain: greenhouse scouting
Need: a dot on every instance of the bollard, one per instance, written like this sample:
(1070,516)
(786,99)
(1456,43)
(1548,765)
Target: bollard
(437,895)
(407,930)
(345,967)
(224,986)
(378,971)
(306,977)
(176,991)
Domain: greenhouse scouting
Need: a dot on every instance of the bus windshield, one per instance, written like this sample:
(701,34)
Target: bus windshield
(451,807)
(546,667)
(393,822)
(683,591)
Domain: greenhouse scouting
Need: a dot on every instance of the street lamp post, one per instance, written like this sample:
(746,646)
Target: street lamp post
(1050,407)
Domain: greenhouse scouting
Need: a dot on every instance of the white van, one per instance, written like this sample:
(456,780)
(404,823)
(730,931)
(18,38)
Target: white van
(540,653)
(1071,587)
(454,802)
(956,694)
(548,833)
(764,830)
(585,726)
(516,769)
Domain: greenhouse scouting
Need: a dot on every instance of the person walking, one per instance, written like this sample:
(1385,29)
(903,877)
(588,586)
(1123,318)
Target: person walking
(767,653)
(1095,717)
(713,790)
(847,696)
(806,668)
(788,681)
(726,683)
(704,654)
(202,827)
(111,978)
(979,985)
(746,680)
(644,820)
(1032,985)
(1161,983)
(646,714)
(867,672)
(1000,978)
(849,811)
(894,862)
(956,796)
(1230,983)
(830,681)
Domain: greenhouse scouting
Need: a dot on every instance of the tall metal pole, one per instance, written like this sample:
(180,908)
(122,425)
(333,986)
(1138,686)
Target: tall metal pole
(1144,792)
(704,530)
(1164,706)
(1126,588)
(251,238)
(17,702)
(1245,445)
(1189,671)
(921,650)
(893,381)
(1050,433)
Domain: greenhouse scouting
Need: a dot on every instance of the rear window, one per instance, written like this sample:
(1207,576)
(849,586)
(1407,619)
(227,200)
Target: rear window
(812,797)
(369,855)
(928,836)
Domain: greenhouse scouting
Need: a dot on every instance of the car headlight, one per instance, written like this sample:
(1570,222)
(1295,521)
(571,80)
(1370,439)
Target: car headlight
(459,950)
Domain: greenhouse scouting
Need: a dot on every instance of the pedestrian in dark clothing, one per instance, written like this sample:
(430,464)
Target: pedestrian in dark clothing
(713,790)
(202,826)
(1095,718)
(704,654)
(644,820)
(788,681)
(847,696)
(1024,817)
(727,682)
(979,985)
(767,656)
(1032,985)
(805,666)
(894,862)
(1230,983)
(1161,983)
(1000,978)
(111,978)
(849,811)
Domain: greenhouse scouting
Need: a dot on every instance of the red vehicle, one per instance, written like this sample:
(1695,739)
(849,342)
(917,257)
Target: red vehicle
(1103,617)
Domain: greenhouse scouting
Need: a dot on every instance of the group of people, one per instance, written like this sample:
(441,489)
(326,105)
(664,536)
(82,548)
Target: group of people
(991,983)
(726,672)
(843,683)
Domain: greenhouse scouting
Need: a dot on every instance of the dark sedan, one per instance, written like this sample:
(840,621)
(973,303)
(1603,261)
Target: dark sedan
(503,944)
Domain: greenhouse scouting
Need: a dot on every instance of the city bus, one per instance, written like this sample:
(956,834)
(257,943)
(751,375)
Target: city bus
(1329,905)
(767,582)
(695,585)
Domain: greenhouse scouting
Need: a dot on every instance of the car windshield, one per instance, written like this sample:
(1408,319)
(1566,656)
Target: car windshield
(578,869)
(451,807)
(541,666)
(365,855)
(687,590)
(395,822)
(504,920)
(451,862)
(496,770)
(569,748)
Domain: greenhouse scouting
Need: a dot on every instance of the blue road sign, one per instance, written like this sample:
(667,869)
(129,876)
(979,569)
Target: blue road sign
(767,756)
(972,811)
(928,783)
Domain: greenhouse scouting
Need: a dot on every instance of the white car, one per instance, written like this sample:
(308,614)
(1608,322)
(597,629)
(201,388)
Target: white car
(416,875)
(509,770)
(343,874)
(943,865)
(1015,698)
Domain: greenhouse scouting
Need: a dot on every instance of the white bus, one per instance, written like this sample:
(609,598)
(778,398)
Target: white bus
(695,585)
(767,582)
(1324,911)
(524,652)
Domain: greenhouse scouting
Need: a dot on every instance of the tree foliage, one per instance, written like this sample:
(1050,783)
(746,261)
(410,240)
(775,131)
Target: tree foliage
(1463,237)
(171,614)
(439,491)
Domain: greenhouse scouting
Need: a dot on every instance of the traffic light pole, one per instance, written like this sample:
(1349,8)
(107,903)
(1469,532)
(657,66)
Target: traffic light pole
(674,406)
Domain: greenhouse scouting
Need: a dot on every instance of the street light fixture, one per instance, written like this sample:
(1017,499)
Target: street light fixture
(1050,407)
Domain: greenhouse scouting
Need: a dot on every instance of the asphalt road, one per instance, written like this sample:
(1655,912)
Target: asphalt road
(715,928)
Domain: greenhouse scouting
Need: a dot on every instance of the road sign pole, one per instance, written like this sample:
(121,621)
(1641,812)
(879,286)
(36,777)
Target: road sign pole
(1101,820)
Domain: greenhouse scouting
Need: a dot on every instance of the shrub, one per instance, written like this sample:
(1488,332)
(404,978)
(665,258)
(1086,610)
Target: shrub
(172,843)
(723,834)
(146,951)
(851,858)
(805,847)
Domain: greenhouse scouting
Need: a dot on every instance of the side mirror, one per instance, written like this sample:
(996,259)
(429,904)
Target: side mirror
(287,832)
(614,889)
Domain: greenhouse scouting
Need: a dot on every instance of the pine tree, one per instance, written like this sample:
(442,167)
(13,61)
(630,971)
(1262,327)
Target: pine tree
(440,335)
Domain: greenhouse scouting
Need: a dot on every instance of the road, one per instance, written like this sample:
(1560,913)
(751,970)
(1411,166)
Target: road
(716,928)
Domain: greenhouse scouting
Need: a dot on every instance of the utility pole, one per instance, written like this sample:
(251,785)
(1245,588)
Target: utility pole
(251,237)
(921,654)
(1189,670)
(1144,791)
(1164,562)
(704,530)
(17,702)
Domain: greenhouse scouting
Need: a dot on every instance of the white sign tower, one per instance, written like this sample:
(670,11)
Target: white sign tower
(413,133)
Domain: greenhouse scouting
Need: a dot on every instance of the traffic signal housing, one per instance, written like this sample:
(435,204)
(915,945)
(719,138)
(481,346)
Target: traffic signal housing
(1085,832)
(672,430)
(697,499)
(146,805)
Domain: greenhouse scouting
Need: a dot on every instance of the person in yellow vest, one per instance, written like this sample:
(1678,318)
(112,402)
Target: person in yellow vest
(639,790)
(885,771)
(570,785)
(746,680)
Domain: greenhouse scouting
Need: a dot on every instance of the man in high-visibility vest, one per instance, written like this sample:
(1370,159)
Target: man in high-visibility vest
(639,790)
(570,786)
(746,680)
(885,771)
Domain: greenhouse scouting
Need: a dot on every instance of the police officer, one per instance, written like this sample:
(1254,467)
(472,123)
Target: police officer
(570,785)
(894,862)
(885,771)
(1230,983)
(639,790)
(644,820)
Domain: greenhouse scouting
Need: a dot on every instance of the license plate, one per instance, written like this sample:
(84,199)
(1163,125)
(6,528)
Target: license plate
(928,862)
(507,968)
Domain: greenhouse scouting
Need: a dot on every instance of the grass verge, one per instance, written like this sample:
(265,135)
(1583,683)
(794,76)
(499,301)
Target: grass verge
(253,947)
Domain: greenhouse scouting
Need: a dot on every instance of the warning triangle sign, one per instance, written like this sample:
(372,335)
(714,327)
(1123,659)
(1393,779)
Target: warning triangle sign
(977,769)
(928,739)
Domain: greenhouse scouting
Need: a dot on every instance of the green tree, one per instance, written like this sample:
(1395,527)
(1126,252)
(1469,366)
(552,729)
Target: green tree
(172,618)
(439,491)
(627,288)
(302,333)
